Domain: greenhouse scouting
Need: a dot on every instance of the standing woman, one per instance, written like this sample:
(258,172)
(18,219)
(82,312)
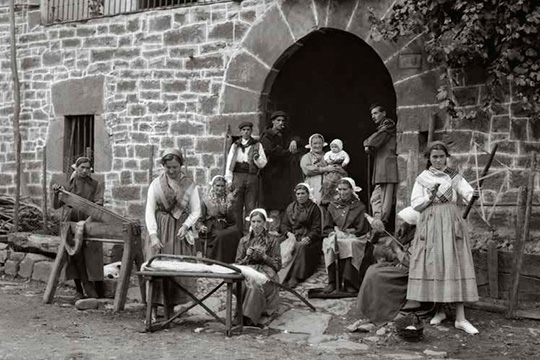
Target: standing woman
(441,266)
(302,221)
(172,208)
(85,267)
(217,224)
(261,252)
(314,167)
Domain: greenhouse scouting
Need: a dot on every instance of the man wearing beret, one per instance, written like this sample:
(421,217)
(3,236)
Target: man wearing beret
(283,170)
(245,158)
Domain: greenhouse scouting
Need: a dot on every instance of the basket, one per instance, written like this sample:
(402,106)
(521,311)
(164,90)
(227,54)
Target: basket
(401,325)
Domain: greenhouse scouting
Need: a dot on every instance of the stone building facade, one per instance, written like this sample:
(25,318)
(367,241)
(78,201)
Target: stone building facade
(176,77)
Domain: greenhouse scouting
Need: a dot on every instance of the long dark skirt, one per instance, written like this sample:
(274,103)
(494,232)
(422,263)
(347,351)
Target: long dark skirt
(305,263)
(259,300)
(383,292)
(224,244)
(168,227)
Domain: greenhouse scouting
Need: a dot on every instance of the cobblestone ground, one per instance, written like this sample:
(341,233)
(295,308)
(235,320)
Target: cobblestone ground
(32,330)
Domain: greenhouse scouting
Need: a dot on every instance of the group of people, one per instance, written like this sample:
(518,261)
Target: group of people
(310,204)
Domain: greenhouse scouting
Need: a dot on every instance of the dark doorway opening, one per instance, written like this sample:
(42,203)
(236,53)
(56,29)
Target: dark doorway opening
(326,83)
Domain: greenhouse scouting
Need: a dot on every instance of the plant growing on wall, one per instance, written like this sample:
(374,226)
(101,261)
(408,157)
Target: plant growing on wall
(96,7)
(500,36)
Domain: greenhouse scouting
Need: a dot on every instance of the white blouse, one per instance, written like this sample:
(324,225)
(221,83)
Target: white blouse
(194,204)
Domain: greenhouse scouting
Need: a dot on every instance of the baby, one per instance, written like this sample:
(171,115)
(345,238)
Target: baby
(338,157)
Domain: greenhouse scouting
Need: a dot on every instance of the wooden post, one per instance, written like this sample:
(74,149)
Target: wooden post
(125,270)
(16,112)
(493,270)
(431,128)
(44,190)
(520,242)
(61,258)
(226,147)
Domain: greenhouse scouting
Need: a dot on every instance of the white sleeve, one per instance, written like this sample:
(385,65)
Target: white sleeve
(228,167)
(465,189)
(150,213)
(261,161)
(195,209)
(419,197)
(347,159)
(327,156)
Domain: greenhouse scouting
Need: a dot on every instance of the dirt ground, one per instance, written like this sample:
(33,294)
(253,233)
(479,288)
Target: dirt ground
(32,330)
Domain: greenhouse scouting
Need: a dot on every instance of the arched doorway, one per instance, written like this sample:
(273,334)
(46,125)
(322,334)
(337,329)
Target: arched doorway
(326,82)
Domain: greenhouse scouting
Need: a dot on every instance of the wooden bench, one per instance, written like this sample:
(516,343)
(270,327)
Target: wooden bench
(230,279)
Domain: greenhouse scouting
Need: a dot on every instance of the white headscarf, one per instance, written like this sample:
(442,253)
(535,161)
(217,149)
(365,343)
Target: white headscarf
(306,185)
(353,184)
(263,212)
(308,146)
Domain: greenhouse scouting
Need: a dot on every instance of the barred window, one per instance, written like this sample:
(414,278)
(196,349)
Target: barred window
(78,139)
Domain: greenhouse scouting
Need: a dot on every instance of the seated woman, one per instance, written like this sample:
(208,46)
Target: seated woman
(217,224)
(345,221)
(384,289)
(302,223)
(261,252)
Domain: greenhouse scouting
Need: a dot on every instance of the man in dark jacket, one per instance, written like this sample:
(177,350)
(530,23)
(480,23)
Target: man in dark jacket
(283,170)
(382,146)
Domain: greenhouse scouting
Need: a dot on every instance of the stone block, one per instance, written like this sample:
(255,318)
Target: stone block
(117,29)
(418,118)
(479,123)
(458,141)
(208,105)
(4,246)
(101,55)
(126,193)
(69,43)
(240,29)
(534,130)
(190,34)
(339,13)
(239,101)
(11,267)
(221,31)
(205,62)
(126,86)
(4,255)
(150,85)
(78,96)
(160,23)
(100,41)
(52,58)
(109,288)
(500,124)
(299,16)
(199,86)
(125,178)
(182,51)
(269,39)
(133,25)
(17,256)
(209,145)
(420,90)
(186,128)
(217,124)
(528,147)
(83,32)
(29,63)
(174,86)
(127,54)
(246,72)
(467,95)
(518,129)
(136,110)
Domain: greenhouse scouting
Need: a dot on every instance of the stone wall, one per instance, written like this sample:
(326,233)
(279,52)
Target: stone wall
(176,77)
(26,265)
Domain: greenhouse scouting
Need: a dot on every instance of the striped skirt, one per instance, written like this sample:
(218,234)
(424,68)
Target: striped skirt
(441,266)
